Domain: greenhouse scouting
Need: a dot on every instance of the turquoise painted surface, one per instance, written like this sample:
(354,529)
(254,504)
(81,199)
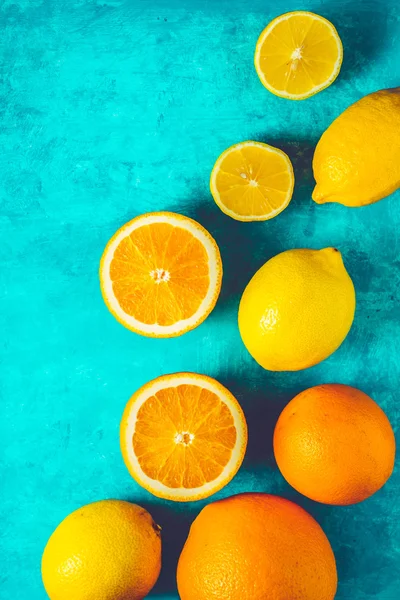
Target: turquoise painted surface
(111,108)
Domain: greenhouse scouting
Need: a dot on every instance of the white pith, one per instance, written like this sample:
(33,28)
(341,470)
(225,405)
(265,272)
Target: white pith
(214,275)
(129,425)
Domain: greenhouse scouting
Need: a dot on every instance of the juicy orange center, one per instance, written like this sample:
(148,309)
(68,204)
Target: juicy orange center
(184,436)
(160,274)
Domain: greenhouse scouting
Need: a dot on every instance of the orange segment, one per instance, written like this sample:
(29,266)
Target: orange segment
(252,181)
(183,436)
(298,55)
(161,274)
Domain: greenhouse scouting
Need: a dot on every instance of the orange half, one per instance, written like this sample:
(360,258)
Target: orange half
(183,436)
(161,274)
(252,181)
(298,54)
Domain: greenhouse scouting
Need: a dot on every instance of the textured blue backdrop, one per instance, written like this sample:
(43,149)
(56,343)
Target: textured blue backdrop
(111,108)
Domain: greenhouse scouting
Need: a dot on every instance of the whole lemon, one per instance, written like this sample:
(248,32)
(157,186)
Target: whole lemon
(108,550)
(297,309)
(357,159)
(256,547)
(334,444)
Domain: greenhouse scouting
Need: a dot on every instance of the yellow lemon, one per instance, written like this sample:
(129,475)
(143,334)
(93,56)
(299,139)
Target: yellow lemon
(297,309)
(108,550)
(252,181)
(298,54)
(357,159)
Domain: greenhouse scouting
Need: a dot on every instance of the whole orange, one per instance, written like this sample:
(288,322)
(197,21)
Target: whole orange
(254,547)
(334,444)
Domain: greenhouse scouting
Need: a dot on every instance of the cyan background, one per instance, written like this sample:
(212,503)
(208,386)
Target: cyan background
(112,108)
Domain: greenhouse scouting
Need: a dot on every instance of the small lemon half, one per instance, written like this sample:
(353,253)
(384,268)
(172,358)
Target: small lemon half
(298,54)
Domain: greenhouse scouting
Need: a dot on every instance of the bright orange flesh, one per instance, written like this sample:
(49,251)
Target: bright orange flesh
(160,248)
(252,181)
(180,439)
(185,411)
(161,274)
(298,54)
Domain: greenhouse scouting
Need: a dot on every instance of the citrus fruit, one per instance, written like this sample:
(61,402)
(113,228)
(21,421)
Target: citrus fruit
(254,547)
(161,274)
(334,444)
(108,550)
(252,181)
(298,54)
(357,159)
(183,436)
(297,309)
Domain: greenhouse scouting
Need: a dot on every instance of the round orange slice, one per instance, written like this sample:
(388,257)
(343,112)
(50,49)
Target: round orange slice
(183,436)
(252,181)
(161,274)
(298,54)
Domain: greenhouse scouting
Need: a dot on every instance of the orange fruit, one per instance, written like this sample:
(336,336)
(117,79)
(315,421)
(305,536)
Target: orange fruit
(298,54)
(107,550)
(334,444)
(161,274)
(256,547)
(252,181)
(183,436)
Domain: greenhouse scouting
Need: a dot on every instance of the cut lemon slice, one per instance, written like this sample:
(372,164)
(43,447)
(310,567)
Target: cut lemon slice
(298,55)
(252,181)
(161,274)
(183,436)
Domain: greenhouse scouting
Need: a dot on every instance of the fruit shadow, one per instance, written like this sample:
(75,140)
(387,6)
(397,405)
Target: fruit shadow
(263,398)
(362,27)
(175,519)
(300,151)
(245,247)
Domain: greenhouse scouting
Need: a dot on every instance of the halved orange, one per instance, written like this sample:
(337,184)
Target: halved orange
(298,54)
(161,274)
(183,436)
(252,181)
